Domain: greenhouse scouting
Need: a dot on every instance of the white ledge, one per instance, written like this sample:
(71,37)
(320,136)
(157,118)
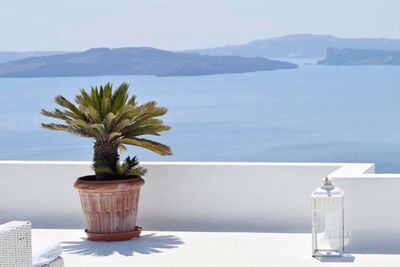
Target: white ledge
(348,166)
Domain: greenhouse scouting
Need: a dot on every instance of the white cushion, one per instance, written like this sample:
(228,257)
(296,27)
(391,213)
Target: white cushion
(44,251)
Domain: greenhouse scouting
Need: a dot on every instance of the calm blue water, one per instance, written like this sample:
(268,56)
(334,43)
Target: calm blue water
(314,113)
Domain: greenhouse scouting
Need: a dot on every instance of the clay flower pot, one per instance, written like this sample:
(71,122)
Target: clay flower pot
(110,207)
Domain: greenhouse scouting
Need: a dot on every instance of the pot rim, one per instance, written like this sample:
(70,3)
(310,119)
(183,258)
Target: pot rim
(130,179)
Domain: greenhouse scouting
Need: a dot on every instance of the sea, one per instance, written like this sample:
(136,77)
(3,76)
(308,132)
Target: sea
(311,114)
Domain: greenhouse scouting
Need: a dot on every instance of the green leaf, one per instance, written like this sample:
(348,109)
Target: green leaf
(119,97)
(148,144)
(66,104)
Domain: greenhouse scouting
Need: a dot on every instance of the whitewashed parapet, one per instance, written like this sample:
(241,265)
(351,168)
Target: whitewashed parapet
(217,196)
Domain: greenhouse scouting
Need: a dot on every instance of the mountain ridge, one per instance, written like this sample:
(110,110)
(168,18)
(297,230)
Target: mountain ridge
(298,46)
(8,56)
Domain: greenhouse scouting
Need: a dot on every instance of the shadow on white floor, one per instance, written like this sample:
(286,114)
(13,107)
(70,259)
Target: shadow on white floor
(345,258)
(146,244)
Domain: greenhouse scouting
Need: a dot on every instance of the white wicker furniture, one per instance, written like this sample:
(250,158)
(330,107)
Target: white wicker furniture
(15,244)
(16,248)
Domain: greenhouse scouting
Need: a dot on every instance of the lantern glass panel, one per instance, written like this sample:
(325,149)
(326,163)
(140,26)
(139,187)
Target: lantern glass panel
(328,230)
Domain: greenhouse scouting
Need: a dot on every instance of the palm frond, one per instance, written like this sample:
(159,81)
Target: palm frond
(147,130)
(67,128)
(95,96)
(156,147)
(119,97)
(57,114)
(62,101)
(129,167)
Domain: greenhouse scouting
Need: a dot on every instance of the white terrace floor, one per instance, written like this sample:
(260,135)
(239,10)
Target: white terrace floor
(203,249)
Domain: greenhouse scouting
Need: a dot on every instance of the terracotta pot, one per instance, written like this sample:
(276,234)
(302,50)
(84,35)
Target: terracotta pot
(110,207)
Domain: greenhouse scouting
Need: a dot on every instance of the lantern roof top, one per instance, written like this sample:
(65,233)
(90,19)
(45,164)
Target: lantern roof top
(327,189)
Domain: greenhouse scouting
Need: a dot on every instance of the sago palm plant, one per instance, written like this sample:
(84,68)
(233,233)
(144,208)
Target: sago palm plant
(113,120)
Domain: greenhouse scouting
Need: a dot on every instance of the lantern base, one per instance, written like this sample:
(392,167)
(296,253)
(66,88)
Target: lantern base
(327,253)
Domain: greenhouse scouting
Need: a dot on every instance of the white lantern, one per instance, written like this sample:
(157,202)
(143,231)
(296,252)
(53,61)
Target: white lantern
(327,220)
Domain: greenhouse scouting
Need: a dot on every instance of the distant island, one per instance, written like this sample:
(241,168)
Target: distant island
(299,46)
(361,57)
(135,61)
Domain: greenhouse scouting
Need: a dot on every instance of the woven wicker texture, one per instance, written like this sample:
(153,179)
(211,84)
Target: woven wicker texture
(15,244)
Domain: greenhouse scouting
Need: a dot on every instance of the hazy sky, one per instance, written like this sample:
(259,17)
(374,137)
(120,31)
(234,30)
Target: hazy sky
(180,24)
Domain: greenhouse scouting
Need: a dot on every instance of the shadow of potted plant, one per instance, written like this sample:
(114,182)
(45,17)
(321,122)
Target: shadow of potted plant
(110,197)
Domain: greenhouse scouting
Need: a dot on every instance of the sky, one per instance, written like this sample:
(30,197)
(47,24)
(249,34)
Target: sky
(76,25)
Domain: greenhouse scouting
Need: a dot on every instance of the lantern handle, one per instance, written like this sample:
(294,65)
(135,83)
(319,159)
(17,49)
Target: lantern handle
(327,184)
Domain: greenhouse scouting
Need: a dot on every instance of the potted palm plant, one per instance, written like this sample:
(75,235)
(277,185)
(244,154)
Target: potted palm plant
(110,197)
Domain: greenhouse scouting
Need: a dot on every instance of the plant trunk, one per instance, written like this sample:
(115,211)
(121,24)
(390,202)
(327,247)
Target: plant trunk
(105,155)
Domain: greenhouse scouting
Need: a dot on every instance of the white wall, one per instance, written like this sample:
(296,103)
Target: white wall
(267,197)
(176,196)
(372,211)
